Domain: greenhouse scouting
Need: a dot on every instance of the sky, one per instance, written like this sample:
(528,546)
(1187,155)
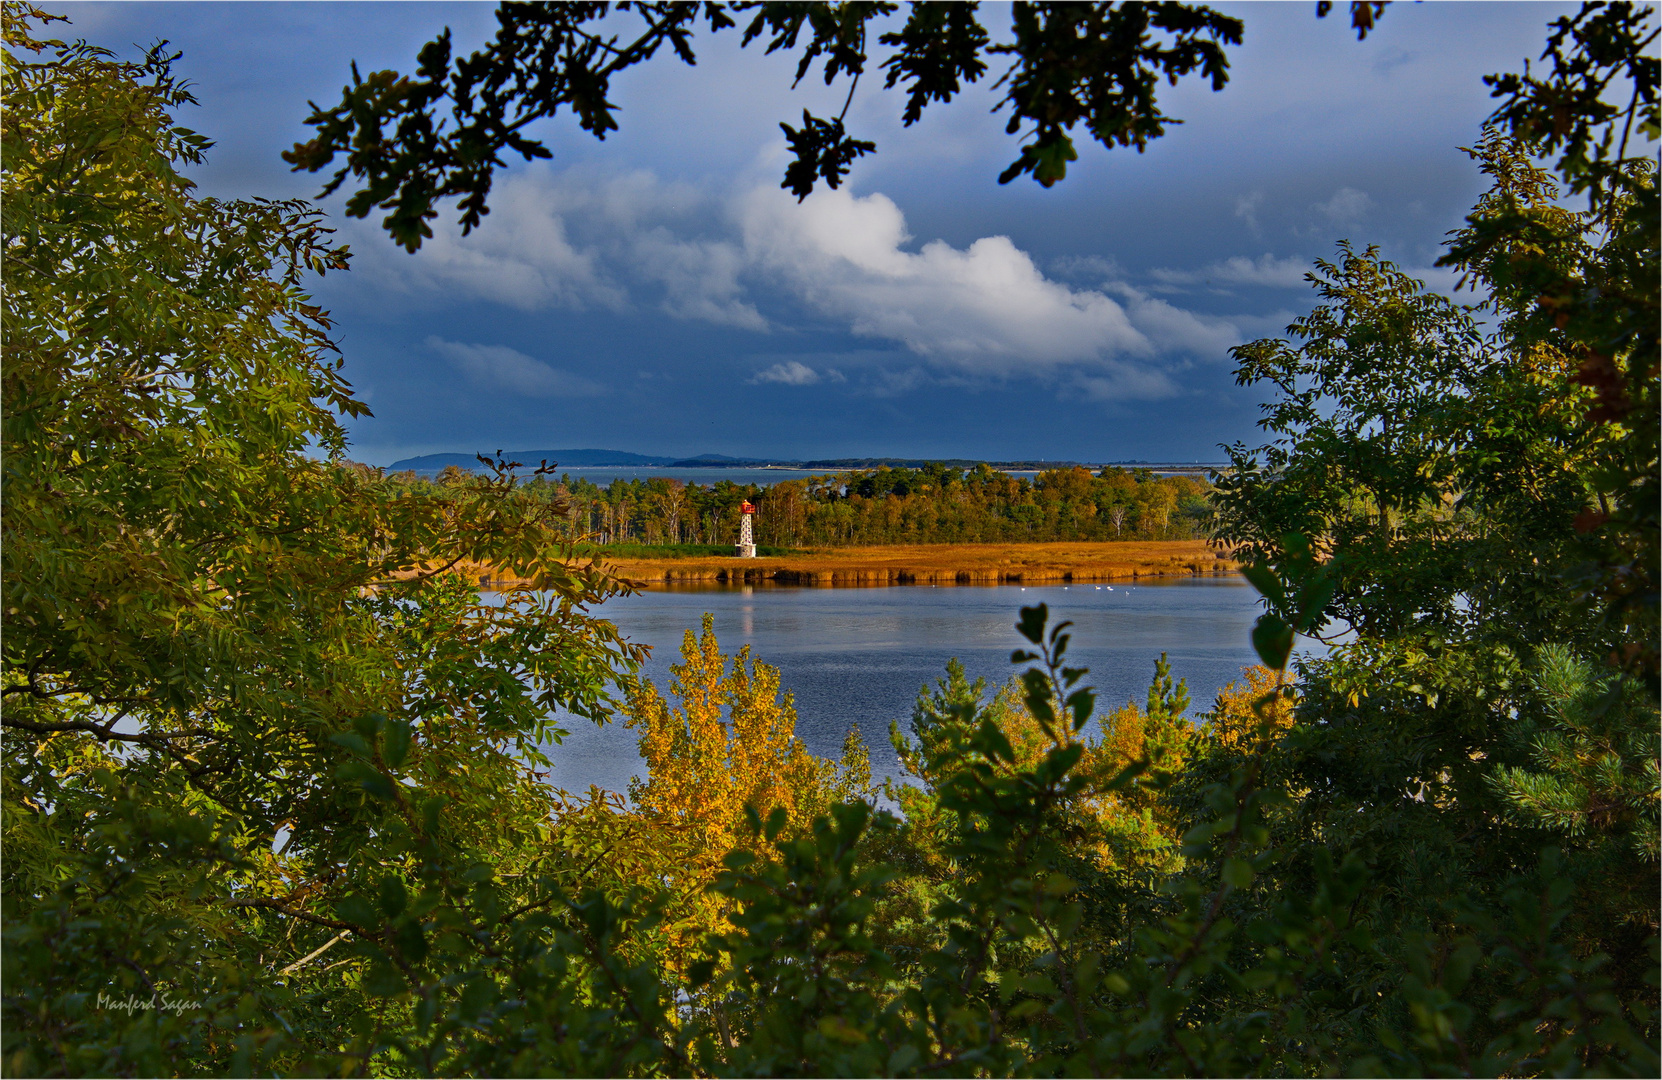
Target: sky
(658,293)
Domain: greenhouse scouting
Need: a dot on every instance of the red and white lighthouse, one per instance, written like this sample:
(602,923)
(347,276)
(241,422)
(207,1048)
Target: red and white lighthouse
(746,547)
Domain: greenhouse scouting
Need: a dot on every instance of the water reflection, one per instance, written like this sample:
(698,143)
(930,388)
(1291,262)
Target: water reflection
(860,655)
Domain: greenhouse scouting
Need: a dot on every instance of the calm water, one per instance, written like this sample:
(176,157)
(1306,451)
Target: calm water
(603,475)
(860,655)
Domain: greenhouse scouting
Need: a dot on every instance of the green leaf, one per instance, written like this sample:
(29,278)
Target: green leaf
(1032,624)
(904,1060)
(395,744)
(776,823)
(383,980)
(392,895)
(352,741)
(1267,582)
(1083,704)
(1272,639)
(1237,872)
(835,1027)
(356,910)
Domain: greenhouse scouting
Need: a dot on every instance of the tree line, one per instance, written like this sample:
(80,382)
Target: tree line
(938,504)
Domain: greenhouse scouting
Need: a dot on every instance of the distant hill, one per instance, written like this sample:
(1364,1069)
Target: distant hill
(576,459)
(720,461)
(431,464)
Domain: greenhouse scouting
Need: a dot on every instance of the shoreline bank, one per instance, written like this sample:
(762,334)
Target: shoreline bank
(926,564)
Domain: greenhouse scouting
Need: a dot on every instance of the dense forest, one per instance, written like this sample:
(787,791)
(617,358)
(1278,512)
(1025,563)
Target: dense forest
(274,790)
(938,504)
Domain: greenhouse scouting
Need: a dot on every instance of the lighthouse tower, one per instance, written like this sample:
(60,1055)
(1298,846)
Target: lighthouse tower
(746,547)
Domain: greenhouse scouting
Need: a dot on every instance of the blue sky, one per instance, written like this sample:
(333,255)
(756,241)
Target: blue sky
(658,293)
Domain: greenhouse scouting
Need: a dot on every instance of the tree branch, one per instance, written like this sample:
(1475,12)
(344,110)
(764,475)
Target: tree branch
(314,954)
(103,733)
(279,906)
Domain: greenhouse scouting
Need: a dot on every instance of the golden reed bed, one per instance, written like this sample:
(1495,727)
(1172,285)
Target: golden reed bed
(925,564)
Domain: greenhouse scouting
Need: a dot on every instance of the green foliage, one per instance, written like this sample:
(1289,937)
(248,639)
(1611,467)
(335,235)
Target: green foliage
(1099,64)
(657,518)
(1074,65)
(1591,760)
(270,794)
(1297,592)
(248,724)
(1463,509)
(1599,49)
(1586,286)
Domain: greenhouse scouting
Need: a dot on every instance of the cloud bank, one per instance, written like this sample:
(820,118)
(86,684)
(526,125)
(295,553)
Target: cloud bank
(582,241)
(1266,270)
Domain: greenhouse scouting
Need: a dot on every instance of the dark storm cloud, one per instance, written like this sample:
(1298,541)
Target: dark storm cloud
(657,293)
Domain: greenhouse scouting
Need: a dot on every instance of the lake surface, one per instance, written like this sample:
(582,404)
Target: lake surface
(857,655)
(603,475)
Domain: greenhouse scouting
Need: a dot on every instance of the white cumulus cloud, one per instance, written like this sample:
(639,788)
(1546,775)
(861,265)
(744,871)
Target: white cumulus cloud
(986,309)
(791,373)
(502,368)
(557,240)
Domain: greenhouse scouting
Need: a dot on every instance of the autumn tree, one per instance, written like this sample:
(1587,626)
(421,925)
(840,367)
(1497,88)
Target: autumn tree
(730,747)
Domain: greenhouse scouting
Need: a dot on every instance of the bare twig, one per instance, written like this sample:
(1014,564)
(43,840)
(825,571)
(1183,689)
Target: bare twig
(314,954)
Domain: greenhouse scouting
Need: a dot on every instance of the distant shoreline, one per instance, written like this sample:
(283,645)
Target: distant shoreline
(923,564)
(592,460)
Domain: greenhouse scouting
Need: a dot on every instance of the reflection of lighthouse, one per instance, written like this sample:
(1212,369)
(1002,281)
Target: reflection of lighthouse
(746,547)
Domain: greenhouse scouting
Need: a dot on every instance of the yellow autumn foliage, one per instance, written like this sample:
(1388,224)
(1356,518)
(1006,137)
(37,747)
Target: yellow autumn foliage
(730,744)
(1123,732)
(1125,829)
(1136,830)
(1235,720)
